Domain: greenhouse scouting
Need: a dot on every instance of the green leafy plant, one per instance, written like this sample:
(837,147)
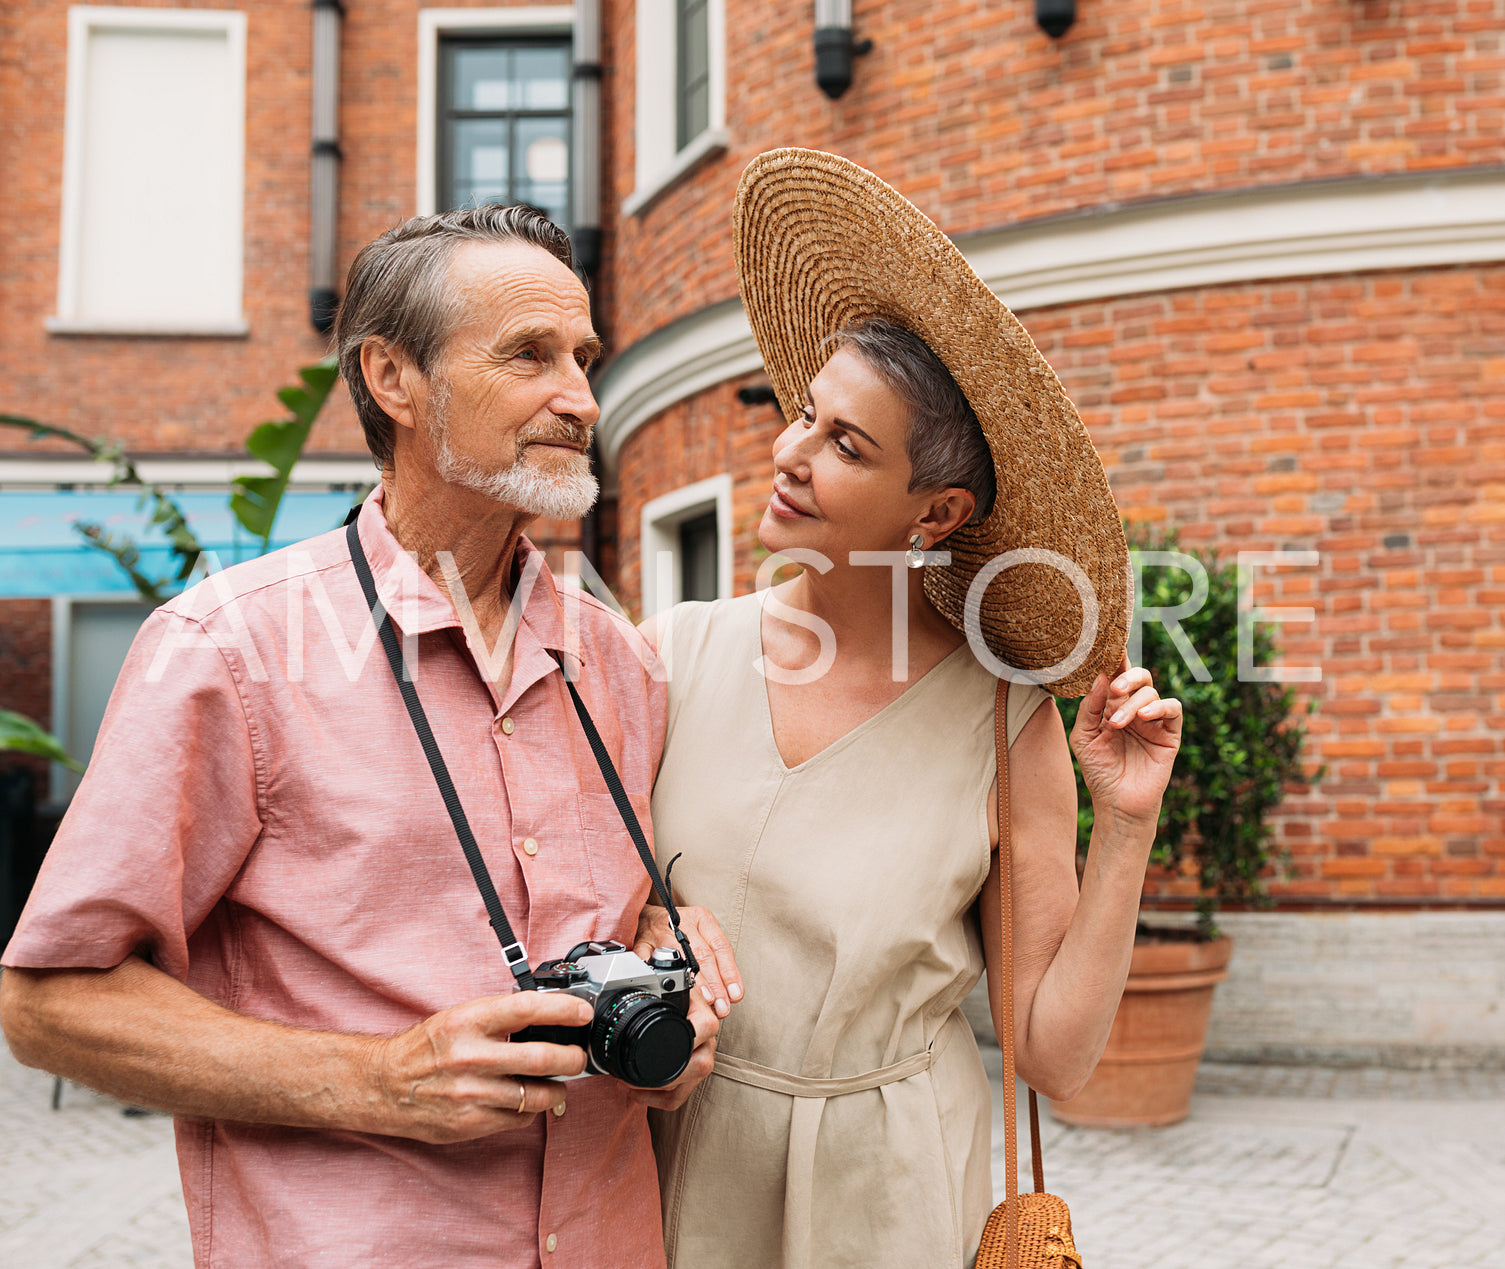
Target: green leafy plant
(255,500)
(279,444)
(19,734)
(1241,742)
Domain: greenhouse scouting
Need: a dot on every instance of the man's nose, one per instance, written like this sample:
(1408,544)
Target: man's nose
(576,398)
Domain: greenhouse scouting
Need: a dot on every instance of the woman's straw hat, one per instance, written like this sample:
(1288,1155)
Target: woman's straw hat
(822,243)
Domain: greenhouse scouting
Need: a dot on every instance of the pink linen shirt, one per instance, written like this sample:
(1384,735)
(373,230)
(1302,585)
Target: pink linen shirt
(259,819)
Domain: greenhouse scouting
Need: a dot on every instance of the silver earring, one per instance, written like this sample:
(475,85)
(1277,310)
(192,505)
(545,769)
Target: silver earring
(915,556)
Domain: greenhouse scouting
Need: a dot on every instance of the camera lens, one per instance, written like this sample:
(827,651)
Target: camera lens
(639,1038)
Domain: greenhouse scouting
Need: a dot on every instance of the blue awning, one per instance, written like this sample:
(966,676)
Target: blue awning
(42,554)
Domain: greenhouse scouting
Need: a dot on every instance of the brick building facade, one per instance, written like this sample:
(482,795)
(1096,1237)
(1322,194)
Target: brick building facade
(1262,244)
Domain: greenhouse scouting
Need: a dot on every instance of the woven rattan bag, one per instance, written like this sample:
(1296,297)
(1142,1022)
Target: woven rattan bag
(1025,1231)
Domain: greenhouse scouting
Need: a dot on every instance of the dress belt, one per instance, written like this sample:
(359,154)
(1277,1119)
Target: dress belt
(741,1071)
(804,1127)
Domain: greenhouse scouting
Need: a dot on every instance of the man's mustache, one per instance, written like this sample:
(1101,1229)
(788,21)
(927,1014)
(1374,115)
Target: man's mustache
(571,433)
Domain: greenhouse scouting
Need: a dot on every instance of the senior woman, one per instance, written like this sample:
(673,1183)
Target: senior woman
(829,781)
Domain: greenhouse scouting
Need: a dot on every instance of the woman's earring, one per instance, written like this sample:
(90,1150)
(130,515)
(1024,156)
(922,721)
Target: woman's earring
(915,556)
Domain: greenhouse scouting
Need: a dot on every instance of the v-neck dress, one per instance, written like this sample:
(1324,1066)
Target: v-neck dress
(847,1122)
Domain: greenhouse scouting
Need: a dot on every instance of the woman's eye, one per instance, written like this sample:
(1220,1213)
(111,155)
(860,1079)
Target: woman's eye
(847,451)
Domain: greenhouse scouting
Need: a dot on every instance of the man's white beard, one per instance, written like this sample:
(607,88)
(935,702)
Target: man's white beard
(565,494)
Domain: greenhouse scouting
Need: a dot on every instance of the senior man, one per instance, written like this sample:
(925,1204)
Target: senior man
(256,914)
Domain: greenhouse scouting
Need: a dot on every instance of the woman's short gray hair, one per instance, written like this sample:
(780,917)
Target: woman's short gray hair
(396,291)
(946,446)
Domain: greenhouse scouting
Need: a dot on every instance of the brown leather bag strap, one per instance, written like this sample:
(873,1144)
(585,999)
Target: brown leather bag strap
(1003,993)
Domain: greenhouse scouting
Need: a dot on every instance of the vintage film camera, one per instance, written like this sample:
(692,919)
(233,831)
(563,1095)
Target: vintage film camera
(640,1032)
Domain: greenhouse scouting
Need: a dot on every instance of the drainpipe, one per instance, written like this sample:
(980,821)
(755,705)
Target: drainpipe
(586,150)
(324,209)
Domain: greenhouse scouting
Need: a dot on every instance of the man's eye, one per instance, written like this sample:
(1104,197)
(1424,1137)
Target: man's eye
(528,352)
(808,417)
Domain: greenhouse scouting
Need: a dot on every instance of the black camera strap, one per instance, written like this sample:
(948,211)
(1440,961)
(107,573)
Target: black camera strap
(513,951)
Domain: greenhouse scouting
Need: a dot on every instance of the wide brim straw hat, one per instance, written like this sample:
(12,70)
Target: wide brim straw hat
(822,243)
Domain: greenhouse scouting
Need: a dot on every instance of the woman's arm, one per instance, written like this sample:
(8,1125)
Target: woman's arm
(1072,948)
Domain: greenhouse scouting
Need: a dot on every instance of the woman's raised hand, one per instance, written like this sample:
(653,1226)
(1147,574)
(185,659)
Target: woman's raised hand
(718,982)
(1125,740)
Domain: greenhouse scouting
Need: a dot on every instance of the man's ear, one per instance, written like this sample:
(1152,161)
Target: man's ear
(946,512)
(394,381)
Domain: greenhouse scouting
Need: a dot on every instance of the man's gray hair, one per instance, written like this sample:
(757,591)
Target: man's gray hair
(396,291)
(946,446)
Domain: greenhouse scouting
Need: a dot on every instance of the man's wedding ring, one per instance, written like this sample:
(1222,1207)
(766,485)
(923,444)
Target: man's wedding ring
(522,1097)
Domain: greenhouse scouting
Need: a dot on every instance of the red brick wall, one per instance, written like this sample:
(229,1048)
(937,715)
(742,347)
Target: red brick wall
(1359,416)
(203,395)
(981,120)
(26,672)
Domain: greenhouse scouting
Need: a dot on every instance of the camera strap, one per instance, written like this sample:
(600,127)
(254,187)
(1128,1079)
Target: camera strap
(513,951)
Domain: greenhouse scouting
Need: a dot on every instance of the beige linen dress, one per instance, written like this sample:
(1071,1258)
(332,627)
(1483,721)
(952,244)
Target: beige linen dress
(848,1119)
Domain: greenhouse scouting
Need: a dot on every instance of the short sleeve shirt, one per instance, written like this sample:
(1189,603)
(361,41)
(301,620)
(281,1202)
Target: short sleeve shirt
(259,820)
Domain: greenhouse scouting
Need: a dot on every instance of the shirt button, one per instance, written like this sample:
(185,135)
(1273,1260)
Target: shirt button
(559,1110)
(507,726)
(530,846)
(550,1243)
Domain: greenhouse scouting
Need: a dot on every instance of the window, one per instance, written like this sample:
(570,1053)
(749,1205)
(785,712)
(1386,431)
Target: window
(687,545)
(698,544)
(494,106)
(680,111)
(154,151)
(505,124)
(692,76)
(90,638)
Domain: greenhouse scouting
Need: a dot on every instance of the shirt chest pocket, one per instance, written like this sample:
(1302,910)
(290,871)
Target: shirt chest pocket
(621,881)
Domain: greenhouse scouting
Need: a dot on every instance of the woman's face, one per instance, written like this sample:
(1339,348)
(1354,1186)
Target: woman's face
(841,472)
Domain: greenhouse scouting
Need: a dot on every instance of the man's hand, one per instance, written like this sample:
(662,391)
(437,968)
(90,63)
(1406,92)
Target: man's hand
(718,981)
(675,1095)
(456,1075)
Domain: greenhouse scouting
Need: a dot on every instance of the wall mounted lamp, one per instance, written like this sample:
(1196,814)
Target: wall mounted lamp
(1055,17)
(324,199)
(835,46)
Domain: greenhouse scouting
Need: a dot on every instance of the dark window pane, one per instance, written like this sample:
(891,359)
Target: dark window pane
(697,50)
(480,161)
(692,71)
(482,79)
(541,172)
(543,79)
(698,573)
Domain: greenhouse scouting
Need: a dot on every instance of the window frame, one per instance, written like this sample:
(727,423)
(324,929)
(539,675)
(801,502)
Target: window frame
(660,159)
(82,21)
(435,24)
(444,113)
(660,521)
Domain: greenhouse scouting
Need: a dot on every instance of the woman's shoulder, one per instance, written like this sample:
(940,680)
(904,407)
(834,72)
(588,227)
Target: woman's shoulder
(690,632)
(978,683)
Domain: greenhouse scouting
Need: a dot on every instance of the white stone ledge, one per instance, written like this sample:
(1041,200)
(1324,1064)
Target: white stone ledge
(205,473)
(1364,223)
(146,330)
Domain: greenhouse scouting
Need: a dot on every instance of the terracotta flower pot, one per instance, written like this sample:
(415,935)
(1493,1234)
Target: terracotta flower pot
(1146,1073)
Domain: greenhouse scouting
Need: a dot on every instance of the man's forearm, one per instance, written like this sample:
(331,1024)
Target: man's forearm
(137,1034)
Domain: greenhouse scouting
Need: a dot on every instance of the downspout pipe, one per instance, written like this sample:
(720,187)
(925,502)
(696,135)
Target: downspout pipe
(324,197)
(585,214)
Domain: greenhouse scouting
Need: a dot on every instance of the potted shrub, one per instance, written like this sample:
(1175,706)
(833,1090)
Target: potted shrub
(1240,755)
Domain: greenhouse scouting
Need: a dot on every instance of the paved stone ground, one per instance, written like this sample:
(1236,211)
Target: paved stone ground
(1278,1168)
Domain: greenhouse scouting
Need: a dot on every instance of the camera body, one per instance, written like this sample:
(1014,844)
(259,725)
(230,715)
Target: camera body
(640,1032)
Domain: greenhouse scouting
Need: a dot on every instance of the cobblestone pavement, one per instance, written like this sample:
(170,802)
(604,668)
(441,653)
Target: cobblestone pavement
(1277,1168)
